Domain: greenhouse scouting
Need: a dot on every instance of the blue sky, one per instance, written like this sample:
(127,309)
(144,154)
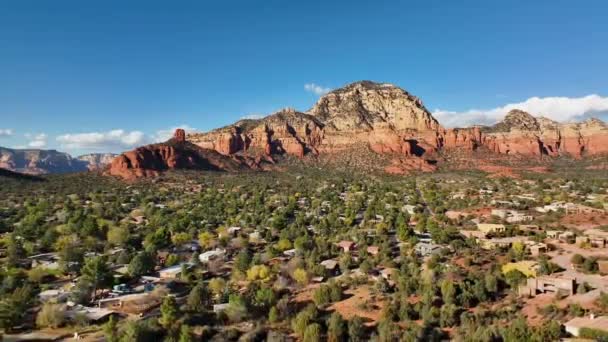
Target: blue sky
(103,76)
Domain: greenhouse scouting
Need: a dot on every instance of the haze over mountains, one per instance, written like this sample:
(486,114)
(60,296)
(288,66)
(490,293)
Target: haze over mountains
(37,162)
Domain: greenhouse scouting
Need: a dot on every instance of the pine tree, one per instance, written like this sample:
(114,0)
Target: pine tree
(169,312)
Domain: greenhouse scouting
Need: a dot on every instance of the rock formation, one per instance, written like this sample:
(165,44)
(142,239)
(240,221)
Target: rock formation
(97,161)
(177,153)
(384,119)
(388,119)
(37,162)
(522,133)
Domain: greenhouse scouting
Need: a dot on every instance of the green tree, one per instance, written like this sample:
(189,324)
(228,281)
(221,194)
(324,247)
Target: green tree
(517,331)
(448,292)
(110,330)
(169,313)
(448,315)
(514,278)
(14,250)
(118,235)
(273,315)
(51,316)
(132,332)
(491,284)
(356,331)
(336,328)
(98,274)
(199,298)
(185,335)
(142,264)
(302,319)
(14,308)
(312,333)
(217,286)
(300,276)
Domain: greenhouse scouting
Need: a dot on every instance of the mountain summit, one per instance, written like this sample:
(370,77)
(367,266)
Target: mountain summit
(357,122)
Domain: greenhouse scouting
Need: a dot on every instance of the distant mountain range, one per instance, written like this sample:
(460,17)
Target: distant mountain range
(362,118)
(38,162)
(364,125)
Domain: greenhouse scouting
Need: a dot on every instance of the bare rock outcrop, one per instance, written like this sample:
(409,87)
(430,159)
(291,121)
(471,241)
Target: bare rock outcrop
(177,153)
(391,122)
(38,162)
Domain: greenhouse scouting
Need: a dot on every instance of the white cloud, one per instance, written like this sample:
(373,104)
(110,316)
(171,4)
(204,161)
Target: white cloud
(562,109)
(7,132)
(254,116)
(166,134)
(316,89)
(38,140)
(103,141)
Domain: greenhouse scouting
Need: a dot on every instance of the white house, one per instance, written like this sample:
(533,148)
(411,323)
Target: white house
(212,255)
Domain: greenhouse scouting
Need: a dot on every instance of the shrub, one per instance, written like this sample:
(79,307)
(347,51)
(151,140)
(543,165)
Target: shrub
(51,316)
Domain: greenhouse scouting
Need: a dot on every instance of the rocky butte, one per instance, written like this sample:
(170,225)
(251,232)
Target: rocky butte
(379,117)
(177,153)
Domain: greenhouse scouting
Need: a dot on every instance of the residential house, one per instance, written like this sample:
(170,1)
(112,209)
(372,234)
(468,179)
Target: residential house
(427,249)
(373,250)
(544,284)
(346,245)
(491,228)
(212,255)
(174,271)
(591,322)
(47,260)
(511,216)
(331,266)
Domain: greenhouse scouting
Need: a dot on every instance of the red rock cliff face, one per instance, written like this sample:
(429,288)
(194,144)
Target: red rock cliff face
(176,153)
(521,133)
(387,118)
(384,118)
(286,131)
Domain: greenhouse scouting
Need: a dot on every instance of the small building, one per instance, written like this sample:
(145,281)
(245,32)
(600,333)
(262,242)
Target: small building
(346,245)
(331,266)
(529,228)
(47,260)
(220,307)
(408,208)
(598,238)
(591,322)
(427,249)
(579,240)
(373,250)
(582,209)
(491,228)
(473,234)
(212,255)
(91,314)
(173,271)
(455,215)
(53,295)
(544,284)
(290,252)
(537,249)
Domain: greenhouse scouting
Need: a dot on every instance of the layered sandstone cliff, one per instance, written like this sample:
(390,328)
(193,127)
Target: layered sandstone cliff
(384,119)
(522,133)
(177,153)
(37,162)
(97,161)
